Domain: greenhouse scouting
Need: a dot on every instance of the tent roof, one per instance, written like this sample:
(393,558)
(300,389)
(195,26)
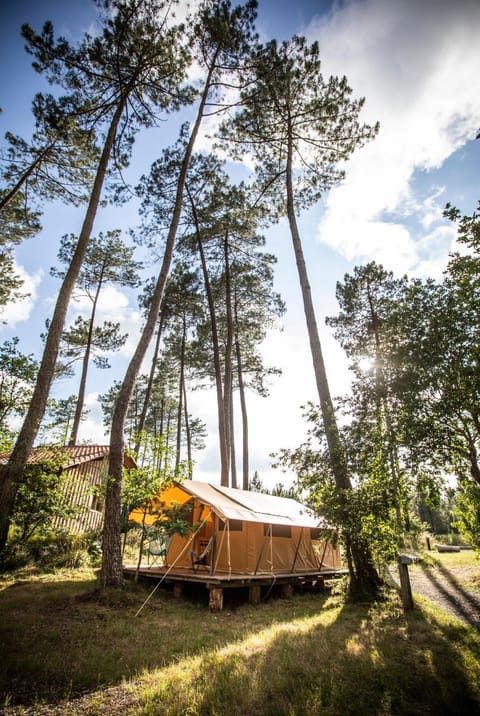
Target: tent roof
(69,455)
(232,504)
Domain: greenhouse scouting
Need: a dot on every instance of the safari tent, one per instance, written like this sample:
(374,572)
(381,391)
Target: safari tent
(236,532)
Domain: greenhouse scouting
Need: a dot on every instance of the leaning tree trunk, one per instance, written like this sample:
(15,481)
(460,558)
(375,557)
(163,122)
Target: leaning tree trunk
(188,431)
(148,391)
(243,407)
(233,458)
(180,398)
(364,579)
(111,573)
(13,472)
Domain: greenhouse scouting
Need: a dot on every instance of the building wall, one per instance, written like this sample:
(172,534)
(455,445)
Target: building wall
(81,491)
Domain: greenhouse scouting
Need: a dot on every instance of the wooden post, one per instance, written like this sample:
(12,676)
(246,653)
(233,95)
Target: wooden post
(177,590)
(255,594)
(405,587)
(216,599)
(287,591)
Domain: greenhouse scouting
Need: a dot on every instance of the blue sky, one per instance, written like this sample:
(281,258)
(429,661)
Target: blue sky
(417,64)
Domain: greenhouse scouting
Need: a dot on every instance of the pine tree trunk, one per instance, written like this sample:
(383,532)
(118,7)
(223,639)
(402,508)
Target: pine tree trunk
(111,573)
(243,407)
(13,473)
(224,457)
(180,398)
(188,432)
(233,459)
(148,391)
(228,375)
(382,407)
(364,579)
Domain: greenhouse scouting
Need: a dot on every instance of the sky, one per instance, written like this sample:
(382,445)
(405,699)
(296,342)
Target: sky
(417,64)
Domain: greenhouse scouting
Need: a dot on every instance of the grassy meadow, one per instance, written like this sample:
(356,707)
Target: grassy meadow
(68,649)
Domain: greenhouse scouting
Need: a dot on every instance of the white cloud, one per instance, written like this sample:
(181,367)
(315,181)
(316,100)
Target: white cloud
(19,311)
(113,305)
(92,429)
(417,64)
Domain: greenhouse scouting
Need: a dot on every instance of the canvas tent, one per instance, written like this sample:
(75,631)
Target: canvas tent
(243,532)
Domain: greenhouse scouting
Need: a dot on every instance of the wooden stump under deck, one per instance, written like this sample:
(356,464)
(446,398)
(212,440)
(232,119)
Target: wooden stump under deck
(178,589)
(216,599)
(287,591)
(255,594)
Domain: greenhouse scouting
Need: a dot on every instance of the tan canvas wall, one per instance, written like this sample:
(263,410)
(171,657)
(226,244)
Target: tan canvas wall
(329,556)
(250,551)
(285,554)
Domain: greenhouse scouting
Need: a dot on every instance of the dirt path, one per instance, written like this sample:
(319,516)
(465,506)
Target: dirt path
(456,589)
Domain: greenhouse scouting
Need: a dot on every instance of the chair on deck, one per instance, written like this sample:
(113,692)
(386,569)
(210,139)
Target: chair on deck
(201,559)
(157,550)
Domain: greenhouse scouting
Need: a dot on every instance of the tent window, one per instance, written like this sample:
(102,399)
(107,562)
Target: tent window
(317,533)
(233,525)
(277,531)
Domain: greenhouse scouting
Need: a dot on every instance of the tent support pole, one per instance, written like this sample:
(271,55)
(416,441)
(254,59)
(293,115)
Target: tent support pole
(214,544)
(325,547)
(296,549)
(261,554)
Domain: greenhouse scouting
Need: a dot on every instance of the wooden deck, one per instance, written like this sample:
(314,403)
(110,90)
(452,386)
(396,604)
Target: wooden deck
(216,583)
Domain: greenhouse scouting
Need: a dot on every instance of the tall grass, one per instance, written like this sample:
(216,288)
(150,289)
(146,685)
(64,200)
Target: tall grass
(312,654)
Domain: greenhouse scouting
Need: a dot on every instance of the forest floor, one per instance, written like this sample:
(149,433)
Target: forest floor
(72,651)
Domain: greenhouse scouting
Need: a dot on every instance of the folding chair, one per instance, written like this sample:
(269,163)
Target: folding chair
(201,559)
(157,550)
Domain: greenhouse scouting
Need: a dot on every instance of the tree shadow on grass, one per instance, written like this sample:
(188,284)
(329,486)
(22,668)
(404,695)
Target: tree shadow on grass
(463,603)
(308,655)
(365,661)
(62,639)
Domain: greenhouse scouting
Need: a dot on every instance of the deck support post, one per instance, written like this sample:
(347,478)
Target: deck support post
(255,594)
(178,589)
(215,602)
(287,591)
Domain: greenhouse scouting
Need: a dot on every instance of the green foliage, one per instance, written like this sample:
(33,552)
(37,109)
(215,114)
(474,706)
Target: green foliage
(176,519)
(53,550)
(10,282)
(40,497)
(17,376)
(467,513)
(156,470)
(296,124)
(256,484)
(58,419)
(100,340)
(365,514)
